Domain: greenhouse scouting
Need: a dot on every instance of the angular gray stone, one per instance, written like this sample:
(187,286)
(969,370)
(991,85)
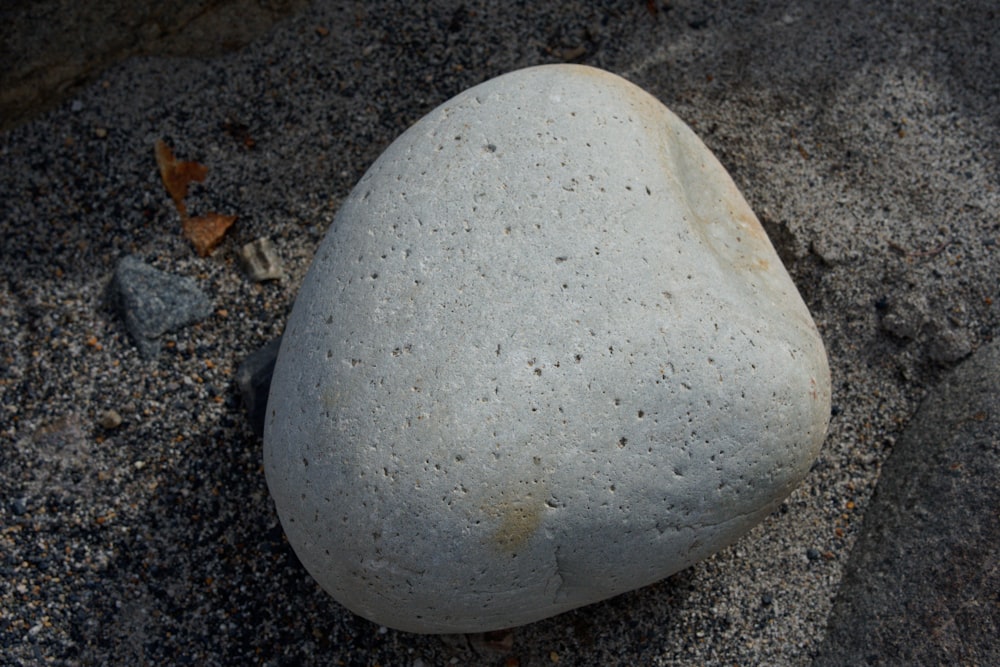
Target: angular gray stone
(253,378)
(153,302)
(922,586)
(545,355)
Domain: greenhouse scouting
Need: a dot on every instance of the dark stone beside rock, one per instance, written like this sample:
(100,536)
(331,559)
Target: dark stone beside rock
(153,302)
(922,586)
(253,378)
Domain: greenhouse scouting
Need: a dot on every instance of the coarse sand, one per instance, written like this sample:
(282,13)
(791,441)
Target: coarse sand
(864,135)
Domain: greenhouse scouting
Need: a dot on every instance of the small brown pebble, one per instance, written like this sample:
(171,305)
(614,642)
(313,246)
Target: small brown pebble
(110,419)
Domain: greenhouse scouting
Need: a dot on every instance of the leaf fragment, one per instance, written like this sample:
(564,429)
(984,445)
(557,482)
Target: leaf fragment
(177,175)
(206,231)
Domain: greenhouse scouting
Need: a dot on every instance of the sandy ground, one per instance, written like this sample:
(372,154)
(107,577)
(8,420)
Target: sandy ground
(864,134)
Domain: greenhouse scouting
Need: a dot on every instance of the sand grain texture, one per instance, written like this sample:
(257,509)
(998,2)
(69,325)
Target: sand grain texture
(864,136)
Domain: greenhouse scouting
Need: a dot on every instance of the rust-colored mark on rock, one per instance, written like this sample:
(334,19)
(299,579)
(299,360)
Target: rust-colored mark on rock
(519,518)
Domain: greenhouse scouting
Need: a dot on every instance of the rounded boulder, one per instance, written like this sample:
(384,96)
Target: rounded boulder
(544,355)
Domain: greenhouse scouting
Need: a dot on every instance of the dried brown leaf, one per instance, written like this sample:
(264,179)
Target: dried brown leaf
(177,175)
(206,231)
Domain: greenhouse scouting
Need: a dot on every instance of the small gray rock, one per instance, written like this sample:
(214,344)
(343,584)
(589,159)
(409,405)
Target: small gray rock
(153,302)
(19,506)
(907,316)
(253,378)
(948,345)
(545,355)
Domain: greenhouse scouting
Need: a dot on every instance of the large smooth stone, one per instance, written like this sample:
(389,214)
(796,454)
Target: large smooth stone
(546,354)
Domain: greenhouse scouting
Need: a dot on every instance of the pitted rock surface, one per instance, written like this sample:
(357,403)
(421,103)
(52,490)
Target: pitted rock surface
(546,354)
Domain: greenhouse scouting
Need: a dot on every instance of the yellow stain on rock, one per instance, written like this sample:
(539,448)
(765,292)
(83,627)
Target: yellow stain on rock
(519,518)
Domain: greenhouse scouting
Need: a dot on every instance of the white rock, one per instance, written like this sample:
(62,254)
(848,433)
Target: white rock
(546,354)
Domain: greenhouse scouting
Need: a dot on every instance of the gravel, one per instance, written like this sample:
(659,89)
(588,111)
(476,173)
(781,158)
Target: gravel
(865,136)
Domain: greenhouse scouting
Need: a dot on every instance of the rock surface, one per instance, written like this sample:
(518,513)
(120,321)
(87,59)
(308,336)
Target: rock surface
(154,302)
(546,355)
(922,584)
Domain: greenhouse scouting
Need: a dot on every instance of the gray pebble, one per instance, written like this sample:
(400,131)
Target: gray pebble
(153,302)
(253,378)
(19,506)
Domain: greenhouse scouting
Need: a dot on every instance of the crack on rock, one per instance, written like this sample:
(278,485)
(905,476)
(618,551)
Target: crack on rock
(556,584)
